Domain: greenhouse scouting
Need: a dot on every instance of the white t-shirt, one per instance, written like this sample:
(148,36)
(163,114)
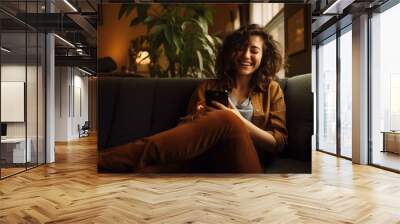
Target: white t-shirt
(245,108)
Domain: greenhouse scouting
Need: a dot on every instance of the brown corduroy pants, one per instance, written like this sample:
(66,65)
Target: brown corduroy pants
(217,141)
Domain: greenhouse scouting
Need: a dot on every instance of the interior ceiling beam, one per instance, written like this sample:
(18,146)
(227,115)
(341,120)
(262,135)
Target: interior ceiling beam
(91,5)
(63,51)
(14,18)
(320,22)
(49,22)
(84,24)
(81,61)
(337,7)
(54,22)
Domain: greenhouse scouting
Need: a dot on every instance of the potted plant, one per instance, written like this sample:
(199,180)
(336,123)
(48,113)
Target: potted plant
(180,33)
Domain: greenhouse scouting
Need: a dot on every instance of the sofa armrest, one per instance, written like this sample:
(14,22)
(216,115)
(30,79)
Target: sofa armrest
(299,106)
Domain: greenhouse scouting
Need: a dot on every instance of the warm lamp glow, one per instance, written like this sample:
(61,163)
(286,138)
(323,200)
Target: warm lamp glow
(143,58)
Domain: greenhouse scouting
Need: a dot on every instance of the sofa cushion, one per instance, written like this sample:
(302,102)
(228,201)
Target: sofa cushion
(124,110)
(171,99)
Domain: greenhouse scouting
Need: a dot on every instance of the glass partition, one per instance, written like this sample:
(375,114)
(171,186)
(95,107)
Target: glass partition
(22,90)
(14,145)
(41,91)
(346,93)
(327,95)
(31,101)
(385,89)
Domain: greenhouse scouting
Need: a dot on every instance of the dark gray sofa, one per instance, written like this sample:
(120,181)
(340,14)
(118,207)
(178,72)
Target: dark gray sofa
(131,108)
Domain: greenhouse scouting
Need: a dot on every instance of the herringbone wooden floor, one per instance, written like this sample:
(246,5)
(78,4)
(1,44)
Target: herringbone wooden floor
(71,191)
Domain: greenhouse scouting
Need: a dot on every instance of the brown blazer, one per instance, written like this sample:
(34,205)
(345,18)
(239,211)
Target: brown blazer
(269,108)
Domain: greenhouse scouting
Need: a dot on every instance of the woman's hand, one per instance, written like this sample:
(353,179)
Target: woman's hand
(231,107)
(200,110)
(260,136)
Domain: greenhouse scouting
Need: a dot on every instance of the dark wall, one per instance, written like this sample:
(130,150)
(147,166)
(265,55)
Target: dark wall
(300,62)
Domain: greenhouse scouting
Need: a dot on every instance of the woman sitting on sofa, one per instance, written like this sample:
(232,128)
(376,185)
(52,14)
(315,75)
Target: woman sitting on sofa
(219,138)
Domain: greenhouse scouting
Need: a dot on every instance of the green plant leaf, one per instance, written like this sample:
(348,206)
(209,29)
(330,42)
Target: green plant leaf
(155,42)
(199,22)
(157,29)
(210,40)
(142,10)
(203,44)
(208,58)
(125,9)
(210,68)
(148,19)
(208,15)
(200,60)
(203,23)
(208,49)
(168,36)
(185,25)
(135,21)
(180,33)
(217,40)
(176,41)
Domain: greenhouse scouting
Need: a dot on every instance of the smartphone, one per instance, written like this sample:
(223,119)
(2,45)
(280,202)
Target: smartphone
(219,96)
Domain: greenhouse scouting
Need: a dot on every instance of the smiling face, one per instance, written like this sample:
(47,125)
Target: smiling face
(249,54)
(248,59)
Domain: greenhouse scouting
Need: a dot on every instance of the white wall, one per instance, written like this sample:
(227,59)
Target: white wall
(34,124)
(9,73)
(16,73)
(62,81)
(71,102)
(80,104)
(84,85)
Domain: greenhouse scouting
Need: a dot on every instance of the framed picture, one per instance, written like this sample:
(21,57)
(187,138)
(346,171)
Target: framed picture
(295,28)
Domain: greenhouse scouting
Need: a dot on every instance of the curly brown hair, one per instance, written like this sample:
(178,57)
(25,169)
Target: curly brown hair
(271,61)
